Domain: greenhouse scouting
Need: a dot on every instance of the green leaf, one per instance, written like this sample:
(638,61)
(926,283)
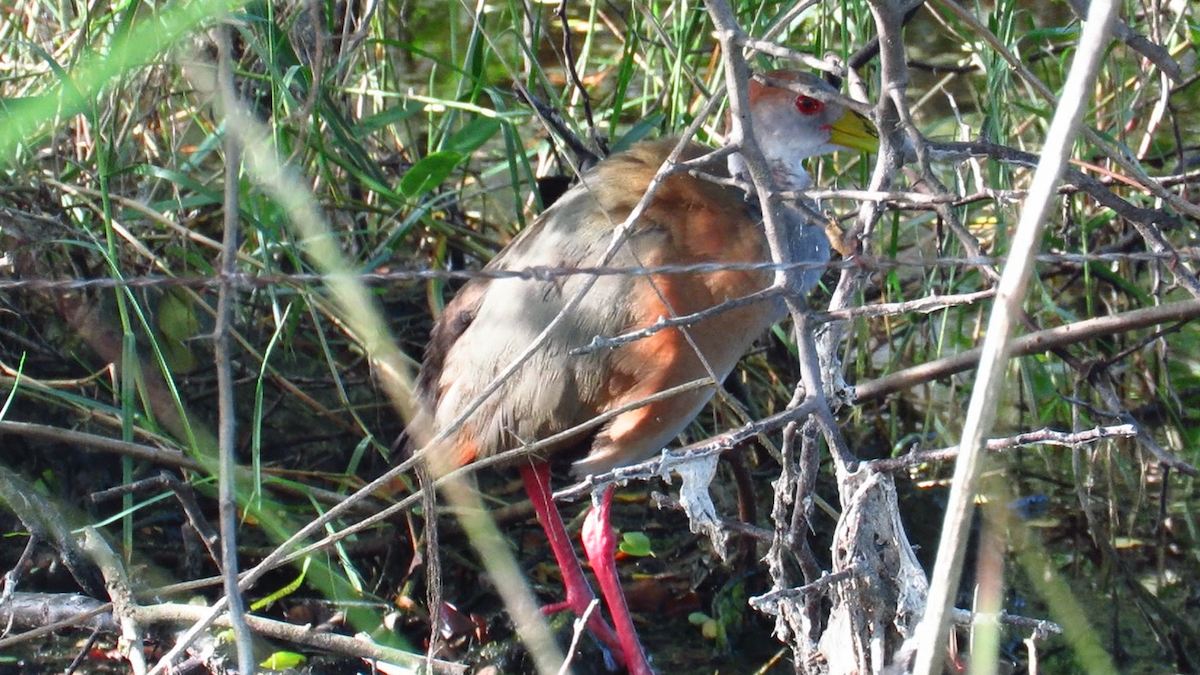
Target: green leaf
(282,660)
(1057,33)
(635,544)
(428,173)
(177,317)
(638,132)
(471,137)
(283,592)
(393,115)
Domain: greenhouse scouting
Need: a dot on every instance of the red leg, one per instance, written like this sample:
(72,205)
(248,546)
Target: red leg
(601,548)
(579,593)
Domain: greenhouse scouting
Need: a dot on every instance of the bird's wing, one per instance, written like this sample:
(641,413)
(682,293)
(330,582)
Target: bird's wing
(492,322)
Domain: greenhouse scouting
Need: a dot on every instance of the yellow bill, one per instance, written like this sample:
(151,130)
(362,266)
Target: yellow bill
(855,132)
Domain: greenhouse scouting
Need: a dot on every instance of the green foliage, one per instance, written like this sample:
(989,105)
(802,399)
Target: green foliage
(635,544)
(404,127)
(283,661)
(427,174)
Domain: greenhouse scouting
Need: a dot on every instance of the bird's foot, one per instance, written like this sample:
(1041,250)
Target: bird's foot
(601,546)
(578,591)
(556,607)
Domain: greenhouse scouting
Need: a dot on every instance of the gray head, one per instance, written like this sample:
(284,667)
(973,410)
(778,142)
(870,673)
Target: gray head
(791,127)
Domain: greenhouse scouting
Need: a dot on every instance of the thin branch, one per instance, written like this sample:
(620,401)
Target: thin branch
(51,613)
(538,273)
(577,631)
(116,582)
(996,350)
(569,56)
(1040,437)
(768,602)
(659,466)
(187,499)
(552,120)
(1033,343)
(227,416)
(13,576)
(663,502)
(303,635)
(600,343)
(1156,53)
(737,77)
(86,441)
(765,46)
(926,305)
(1135,171)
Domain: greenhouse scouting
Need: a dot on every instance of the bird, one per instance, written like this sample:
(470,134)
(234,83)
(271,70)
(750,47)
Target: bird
(562,386)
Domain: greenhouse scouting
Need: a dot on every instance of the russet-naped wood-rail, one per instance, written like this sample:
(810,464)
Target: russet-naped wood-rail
(689,220)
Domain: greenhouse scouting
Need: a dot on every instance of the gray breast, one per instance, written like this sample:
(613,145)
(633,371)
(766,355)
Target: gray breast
(807,243)
(804,236)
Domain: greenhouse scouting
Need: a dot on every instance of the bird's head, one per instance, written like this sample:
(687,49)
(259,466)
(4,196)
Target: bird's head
(791,126)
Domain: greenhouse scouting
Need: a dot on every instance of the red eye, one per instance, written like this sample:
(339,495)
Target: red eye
(808,105)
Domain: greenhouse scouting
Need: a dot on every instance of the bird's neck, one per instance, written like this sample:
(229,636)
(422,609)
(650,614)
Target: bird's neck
(786,174)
